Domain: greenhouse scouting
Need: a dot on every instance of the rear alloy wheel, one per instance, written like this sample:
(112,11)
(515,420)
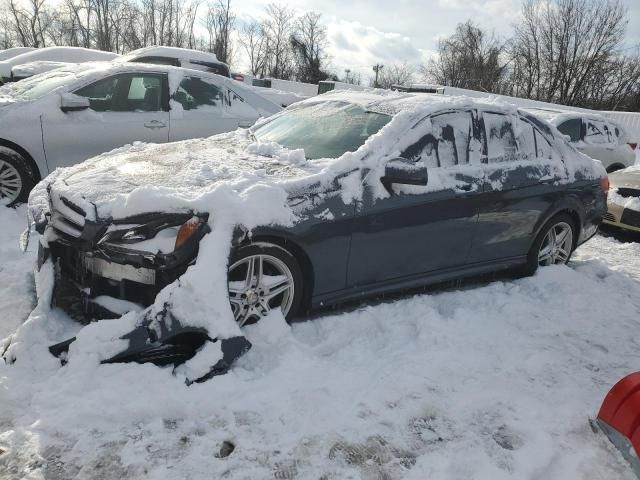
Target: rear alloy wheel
(556,245)
(16,178)
(263,277)
(553,245)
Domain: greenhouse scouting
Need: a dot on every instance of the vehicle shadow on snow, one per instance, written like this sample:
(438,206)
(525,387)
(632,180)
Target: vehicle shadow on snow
(623,236)
(441,287)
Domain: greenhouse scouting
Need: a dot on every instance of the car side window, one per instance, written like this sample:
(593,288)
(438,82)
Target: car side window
(125,93)
(572,128)
(501,140)
(599,133)
(526,141)
(447,144)
(543,147)
(194,92)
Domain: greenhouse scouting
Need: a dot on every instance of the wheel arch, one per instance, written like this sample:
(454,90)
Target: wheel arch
(26,155)
(294,248)
(569,206)
(615,166)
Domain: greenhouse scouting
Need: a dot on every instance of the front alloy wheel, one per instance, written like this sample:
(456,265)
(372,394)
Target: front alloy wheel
(263,277)
(556,245)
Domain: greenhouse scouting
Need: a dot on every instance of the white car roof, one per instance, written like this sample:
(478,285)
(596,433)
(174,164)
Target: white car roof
(172,52)
(62,54)
(12,52)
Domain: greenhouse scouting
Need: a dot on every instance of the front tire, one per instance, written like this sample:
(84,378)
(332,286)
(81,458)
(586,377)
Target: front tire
(16,177)
(263,277)
(553,245)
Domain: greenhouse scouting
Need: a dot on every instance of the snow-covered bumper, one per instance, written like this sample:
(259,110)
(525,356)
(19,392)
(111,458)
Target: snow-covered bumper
(623,205)
(107,268)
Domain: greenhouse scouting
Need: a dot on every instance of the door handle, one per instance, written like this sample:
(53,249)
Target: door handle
(153,124)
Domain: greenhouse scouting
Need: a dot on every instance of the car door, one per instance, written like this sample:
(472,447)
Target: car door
(523,175)
(124,108)
(418,230)
(199,108)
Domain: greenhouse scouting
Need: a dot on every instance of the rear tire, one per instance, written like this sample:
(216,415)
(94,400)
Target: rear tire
(17,177)
(550,247)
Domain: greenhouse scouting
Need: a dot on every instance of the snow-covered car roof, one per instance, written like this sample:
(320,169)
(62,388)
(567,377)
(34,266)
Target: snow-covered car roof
(13,52)
(56,54)
(171,52)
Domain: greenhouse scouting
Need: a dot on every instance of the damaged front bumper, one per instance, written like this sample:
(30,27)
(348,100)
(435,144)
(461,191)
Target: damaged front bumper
(101,272)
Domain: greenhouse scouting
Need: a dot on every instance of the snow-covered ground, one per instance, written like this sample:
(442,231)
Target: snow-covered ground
(492,380)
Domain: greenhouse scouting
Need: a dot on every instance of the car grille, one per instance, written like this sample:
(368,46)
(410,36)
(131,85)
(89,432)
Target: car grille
(628,192)
(66,218)
(608,217)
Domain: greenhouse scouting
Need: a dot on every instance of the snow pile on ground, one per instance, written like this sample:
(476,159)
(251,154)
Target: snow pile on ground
(491,381)
(16,287)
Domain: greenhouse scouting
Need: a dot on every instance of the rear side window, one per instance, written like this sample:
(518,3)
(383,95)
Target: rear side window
(447,144)
(194,92)
(572,128)
(598,133)
(501,140)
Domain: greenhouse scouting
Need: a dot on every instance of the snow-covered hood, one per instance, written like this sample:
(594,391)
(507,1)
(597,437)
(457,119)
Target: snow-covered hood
(188,169)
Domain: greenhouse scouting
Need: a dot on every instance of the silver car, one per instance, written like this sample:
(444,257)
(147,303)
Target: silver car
(65,116)
(593,135)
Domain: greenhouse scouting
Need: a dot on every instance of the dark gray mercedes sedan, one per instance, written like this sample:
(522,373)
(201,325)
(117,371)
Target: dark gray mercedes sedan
(341,196)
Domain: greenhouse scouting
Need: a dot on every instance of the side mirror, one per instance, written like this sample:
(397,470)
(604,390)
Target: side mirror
(402,171)
(70,102)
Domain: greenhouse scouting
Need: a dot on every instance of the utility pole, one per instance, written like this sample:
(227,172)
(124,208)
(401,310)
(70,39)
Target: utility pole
(376,68)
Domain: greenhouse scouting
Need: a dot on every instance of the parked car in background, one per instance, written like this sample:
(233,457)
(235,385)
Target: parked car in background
(49,58)
(12,52)
(65,116)
(447,187)
(594,135)
(623,201)
(178,57)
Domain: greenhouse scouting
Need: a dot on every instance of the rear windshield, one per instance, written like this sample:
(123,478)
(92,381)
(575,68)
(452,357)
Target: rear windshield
(323,130)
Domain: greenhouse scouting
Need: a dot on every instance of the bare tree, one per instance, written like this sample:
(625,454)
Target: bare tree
(309,46)
(470,58)
(561,46)
(277,27)
(219,22)
(254,42)
(28,22)
(394,74)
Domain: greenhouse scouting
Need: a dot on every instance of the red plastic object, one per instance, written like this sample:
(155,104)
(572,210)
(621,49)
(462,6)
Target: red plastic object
(619,418)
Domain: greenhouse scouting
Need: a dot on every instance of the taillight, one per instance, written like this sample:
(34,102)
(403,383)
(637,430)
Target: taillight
(186,230)
(633,146)
(604,184)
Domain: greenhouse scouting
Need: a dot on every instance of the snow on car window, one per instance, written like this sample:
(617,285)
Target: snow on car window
(38,85)
(544,150)
(598,132)
(501,141)
(447,144)
(526,141)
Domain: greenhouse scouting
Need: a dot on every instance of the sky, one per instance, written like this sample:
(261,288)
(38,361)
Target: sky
(363,33)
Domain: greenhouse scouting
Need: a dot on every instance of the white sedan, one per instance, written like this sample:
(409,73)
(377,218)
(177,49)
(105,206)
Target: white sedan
(65,116)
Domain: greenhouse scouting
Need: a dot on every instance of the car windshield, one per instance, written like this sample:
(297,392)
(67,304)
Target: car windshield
(38,85)
(323,130)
